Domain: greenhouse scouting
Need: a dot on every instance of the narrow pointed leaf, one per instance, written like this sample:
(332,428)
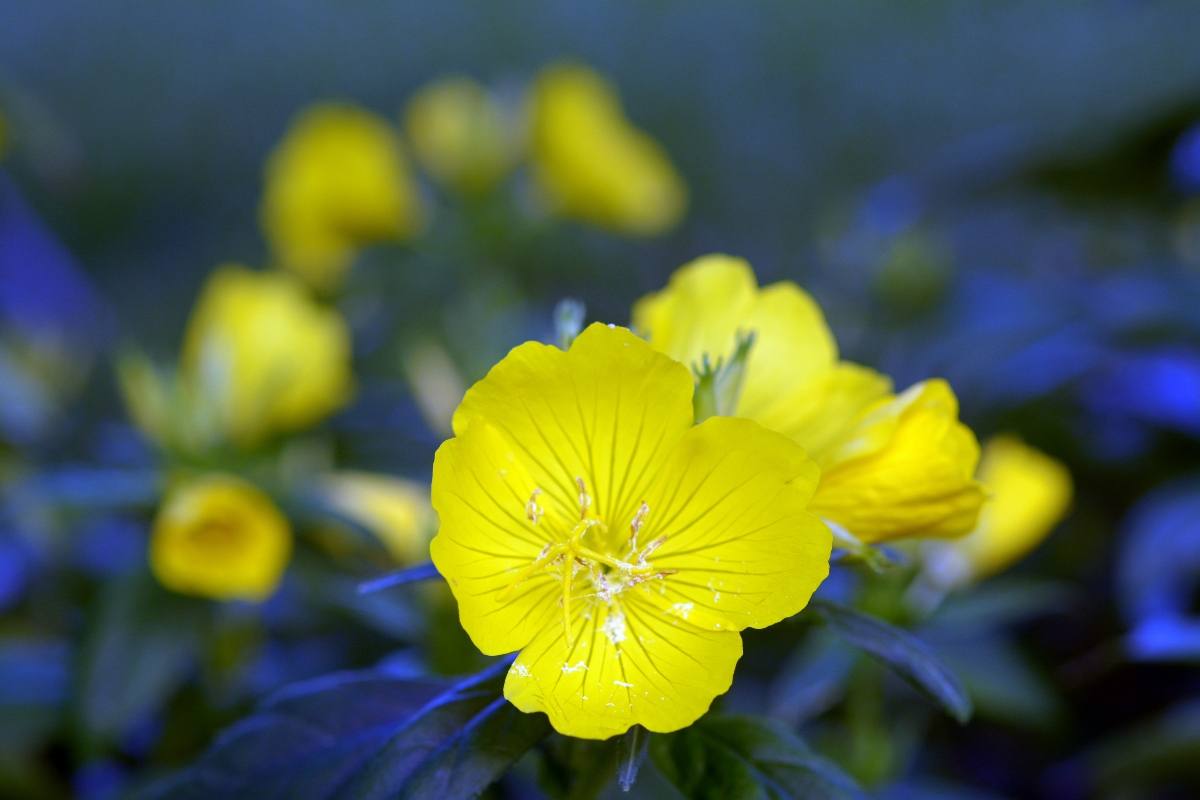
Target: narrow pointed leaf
(631,752)
(365,734)
(906,654)
(421,572)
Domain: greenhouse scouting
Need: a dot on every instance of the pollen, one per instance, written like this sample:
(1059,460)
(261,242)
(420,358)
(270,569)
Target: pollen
(565,558)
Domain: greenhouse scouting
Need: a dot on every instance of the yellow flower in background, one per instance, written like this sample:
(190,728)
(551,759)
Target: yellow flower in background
(337,181)
(1031,493)
(222,538)
(264,356)
(395,510)
(592,164)
(586,522)
(892,466)
(462,135)
(260,357)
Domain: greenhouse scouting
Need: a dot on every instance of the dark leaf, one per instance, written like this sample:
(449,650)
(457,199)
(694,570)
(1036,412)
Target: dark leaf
(577,769)
(141,646)
(900,650)
(747,758)
(631,752)
(365,734)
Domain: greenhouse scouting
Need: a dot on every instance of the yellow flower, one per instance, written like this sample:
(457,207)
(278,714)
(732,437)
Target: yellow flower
(264,355)
(338,180)
(1031,493)
(592,164)
(461,135)
(892,466)
(395,510)
(260,357)
(220,537)
(586,522)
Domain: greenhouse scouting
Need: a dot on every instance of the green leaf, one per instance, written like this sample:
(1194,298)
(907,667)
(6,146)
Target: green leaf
(747,758)
(900,650)
(362,735)
(141,646)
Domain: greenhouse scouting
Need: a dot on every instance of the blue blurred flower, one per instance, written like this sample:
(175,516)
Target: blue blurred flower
(1159,387)
(1185,161)
(14,571)
(111,545)
(101,779)
(1158,569)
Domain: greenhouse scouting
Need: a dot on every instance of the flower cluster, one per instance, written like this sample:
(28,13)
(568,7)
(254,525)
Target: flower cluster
(592,518)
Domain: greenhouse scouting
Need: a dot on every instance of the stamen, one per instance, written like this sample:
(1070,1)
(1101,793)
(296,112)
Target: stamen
(585,502)
(568,578)
(548,555)
(639,519)
(532,510)
(650,548)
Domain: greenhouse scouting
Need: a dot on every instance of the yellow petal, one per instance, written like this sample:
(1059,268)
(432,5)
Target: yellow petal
(794,383)
(592,164)
(609,411)
(1031,493)
(906,469)
(730,503)
(396,510)
(338,180)
(629,664)
(480,492)
(263,356)
(220,537)
(461,135)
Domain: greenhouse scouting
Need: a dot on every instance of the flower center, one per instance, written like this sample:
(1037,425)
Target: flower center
(565,558)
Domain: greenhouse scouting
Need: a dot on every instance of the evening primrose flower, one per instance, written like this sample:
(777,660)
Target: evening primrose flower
(220,537)
(591,163)
(260,357)
(337,181)
(587,523)
(1031,493)
(462,135)
(891,465)
(395,510)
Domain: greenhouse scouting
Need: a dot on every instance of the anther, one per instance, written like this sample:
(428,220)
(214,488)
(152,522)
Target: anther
(585,502)
(532,510)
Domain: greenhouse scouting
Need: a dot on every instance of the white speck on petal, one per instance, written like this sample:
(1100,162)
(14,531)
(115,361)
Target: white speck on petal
(567,668)
(623,683)
(614,626)
(521,670)
(682,609)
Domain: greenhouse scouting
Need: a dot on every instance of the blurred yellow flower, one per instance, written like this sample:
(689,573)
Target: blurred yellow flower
(338,180)
(592,164)
(1031,493)
(586,522)
(260,357)
(462,135)
(892,466)
(220,537)
(395,510)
